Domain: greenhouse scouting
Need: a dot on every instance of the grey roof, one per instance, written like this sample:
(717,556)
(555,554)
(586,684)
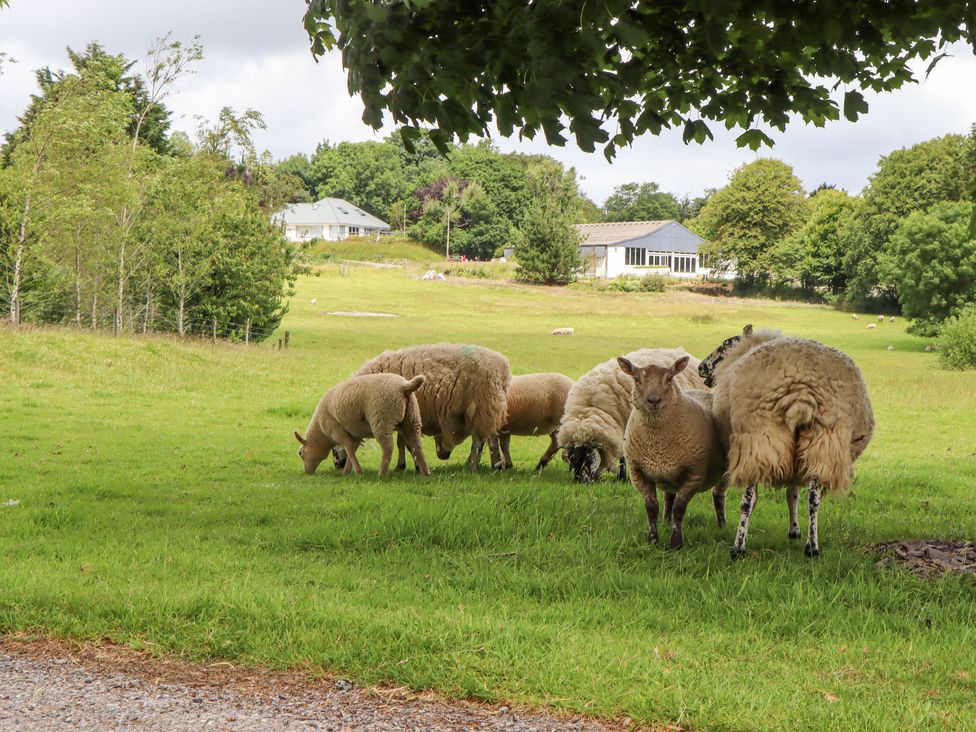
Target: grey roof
(666,236)
(328,211)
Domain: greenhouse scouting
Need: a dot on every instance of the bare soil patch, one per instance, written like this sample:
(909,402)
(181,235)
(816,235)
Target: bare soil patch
(50,684)
(929,558)
(361,314)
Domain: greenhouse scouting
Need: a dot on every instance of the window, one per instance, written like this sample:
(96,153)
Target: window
(685,264)
(659,259)
(353,231)
(635,257)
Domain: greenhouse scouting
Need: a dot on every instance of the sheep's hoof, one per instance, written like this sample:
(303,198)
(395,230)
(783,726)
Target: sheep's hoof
(812,551)
(737,553)
(794,533)
(400,467)
(721,522)
(676,543)
(652,537)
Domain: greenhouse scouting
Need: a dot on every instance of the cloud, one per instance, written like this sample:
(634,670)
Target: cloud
(257,57)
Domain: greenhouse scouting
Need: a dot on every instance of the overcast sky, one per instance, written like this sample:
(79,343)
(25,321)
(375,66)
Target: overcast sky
(257,56)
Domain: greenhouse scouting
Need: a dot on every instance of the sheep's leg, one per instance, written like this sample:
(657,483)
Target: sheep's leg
(417,450)
(718,501)
(352,462)
(622,470)
(668,505)
(679,504)
(748,503)
(474,458)
(812,548)
(550,453)
(792,498)
(385,440)
(648,490)
(504,443)
(401,463)
(494,451)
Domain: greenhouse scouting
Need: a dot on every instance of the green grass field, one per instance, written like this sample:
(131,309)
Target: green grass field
(162,504)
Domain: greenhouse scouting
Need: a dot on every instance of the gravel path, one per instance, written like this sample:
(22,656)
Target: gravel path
(51,685)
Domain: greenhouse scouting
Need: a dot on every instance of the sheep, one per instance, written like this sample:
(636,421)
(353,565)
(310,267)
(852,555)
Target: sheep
(535,406)
(871,326)
(464,395)
(891,319)
(597,408)
(881,318)
(672,443)
(855,316)
(563,331)
(790,412)
(376,405)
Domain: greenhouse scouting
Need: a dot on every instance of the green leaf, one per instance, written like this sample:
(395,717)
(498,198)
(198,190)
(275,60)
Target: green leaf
(854,105)
(753,139)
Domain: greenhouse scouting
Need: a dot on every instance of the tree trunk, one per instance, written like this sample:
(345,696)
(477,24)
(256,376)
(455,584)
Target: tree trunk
(214,321)
(121,289)
(77,278)
(448,248)
(247,331)
(94,315)
(19,263)
(145,323)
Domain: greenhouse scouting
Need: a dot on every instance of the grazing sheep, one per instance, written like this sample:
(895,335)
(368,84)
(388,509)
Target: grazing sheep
(871,326)
(563,331)
(672,443)
(464,395)
(535,406)
(855,316)
(376,405)
(881,318)
(790,412)
(597,408)
(891,319)
(313,301)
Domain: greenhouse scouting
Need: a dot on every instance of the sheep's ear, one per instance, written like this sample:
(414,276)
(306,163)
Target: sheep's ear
(300,438)
(678,366)
(627,366)
(747,331)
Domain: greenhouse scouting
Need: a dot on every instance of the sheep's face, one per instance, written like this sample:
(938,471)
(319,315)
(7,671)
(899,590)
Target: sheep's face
(310,454)
(444,446)
(654,387)
(706,369)
(584,462)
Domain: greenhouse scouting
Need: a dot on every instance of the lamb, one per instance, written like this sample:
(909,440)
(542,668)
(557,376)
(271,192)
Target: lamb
(464,395)
(563,331)
(597,409)
(376,405)
(855,316)
(535,406)
(881,318)
(672,443)
(871,326)
(790,412)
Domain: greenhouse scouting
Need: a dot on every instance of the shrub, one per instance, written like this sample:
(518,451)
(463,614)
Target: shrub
(957,341)
(466,272)
(651,283)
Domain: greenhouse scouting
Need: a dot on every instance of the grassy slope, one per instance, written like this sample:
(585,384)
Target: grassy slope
(388,248)
(163,505)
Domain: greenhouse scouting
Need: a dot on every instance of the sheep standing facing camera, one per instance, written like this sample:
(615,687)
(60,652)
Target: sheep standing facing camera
(597,409)
(364,406)
(790,412)
(672,443)
(535,407)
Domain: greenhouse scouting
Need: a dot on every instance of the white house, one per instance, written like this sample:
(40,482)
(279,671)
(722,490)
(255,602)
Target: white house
(645,247)
(331,219)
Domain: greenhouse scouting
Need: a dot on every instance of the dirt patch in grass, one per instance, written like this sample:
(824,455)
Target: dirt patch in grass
(929,558)
(86,678)
(361,314)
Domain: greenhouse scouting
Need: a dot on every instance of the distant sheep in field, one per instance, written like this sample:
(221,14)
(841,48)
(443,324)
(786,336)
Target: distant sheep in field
(672,443)
(376,406)
(563,331)
(790,412)
(464,395)
(891,319)
(535,407)
(871,326)
(855,316)
(597,409)
(313,301)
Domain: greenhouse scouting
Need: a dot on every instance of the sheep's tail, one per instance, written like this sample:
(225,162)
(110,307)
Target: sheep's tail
(824,454)
(413,384)
(798,410)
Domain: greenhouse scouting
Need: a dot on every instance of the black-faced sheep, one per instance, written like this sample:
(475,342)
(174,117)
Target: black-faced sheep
(672,443)
(597,409)
(376,406)
(790,412)
(535,407)
(464,395)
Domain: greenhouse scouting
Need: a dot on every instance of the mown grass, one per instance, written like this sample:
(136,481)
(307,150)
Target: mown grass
(162,504)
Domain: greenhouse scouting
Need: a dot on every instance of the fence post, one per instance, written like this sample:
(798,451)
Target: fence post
(287,339)
(247,331)
(214,332)
(279,344)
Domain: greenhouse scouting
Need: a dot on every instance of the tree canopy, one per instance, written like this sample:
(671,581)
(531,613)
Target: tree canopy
(640,202)
(585,67)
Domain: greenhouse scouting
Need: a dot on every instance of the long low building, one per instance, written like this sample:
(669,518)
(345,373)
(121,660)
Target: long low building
(331,219)
(645,247)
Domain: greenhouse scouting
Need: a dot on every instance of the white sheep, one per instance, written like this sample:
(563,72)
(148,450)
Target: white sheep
(855,316)
(881,318)
(563,331)
(790,412)
(597,409)
(376,405)
(464,395)
(871,326)
(535,407)
(672,443)
(891,319)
